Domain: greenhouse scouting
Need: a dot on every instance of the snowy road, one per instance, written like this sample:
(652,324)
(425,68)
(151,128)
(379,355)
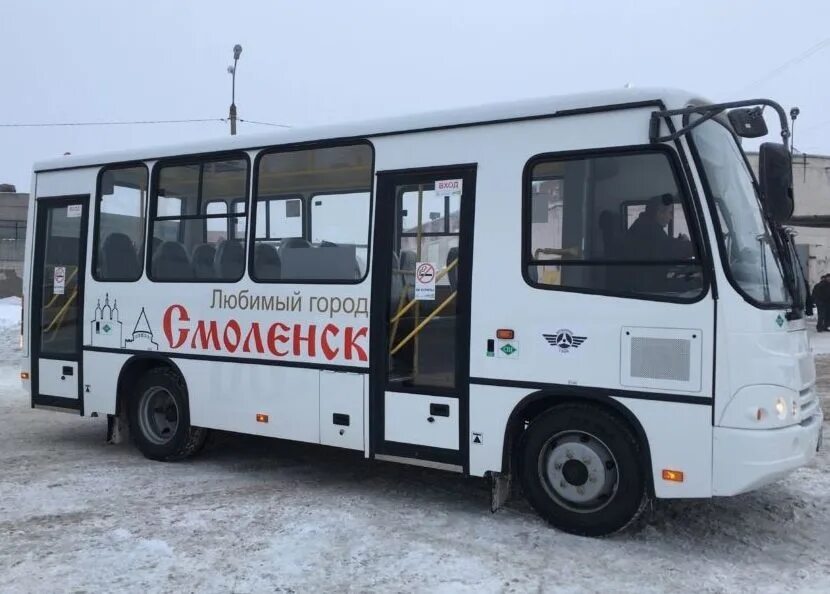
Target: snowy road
(257,515)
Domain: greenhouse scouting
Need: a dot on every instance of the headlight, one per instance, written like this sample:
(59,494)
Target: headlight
(781,408)
(761,406)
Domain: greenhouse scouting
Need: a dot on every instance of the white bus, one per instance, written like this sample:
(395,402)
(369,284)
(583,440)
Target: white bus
(586,296)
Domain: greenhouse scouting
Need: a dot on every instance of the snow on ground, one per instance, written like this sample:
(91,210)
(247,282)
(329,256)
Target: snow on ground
(254,515)
(820,343)
(10,312)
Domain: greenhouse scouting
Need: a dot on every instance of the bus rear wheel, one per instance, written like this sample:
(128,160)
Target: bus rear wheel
(160,417)
(581,470)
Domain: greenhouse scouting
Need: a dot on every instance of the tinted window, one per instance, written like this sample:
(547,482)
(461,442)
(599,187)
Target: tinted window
(332,186)
(119,240)
(611,224)
(200,221)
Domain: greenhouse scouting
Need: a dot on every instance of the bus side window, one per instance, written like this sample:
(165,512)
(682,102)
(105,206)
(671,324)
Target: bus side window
(611,224)
(312,214)
(120,208)
(200,221)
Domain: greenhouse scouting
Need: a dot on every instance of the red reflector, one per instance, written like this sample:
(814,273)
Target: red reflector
(504,334)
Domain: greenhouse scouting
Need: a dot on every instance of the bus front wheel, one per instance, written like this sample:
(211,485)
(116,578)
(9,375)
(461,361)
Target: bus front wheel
(160,417)
(581,470)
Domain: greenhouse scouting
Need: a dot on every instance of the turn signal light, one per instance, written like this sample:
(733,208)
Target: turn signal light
(504,334)
(675,476)
(24,375)
(261,418)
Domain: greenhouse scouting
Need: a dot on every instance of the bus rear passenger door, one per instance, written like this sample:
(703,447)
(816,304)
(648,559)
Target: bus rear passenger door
(421,315)
(57,297)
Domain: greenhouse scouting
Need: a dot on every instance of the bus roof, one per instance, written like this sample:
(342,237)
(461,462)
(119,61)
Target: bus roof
(480,114)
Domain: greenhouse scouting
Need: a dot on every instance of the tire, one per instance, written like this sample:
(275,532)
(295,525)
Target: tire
(581,469)
(160,417)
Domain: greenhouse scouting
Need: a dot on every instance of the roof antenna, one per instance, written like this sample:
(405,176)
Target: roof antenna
(793,115)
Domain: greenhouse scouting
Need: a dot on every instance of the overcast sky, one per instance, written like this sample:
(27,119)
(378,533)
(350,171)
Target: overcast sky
(320,61)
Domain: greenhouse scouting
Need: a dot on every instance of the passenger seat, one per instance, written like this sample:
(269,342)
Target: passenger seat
(229,261)
(203,256)
(118,258)
(267,264)
(171,262)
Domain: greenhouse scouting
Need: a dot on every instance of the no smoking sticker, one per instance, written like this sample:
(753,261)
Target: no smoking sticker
(59,280)
(424,281)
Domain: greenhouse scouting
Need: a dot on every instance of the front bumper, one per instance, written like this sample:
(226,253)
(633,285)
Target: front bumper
(746,459)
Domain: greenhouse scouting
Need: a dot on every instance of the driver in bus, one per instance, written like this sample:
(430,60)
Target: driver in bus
(647,239)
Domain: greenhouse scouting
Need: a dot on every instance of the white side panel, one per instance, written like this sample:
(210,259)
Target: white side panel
(28,258)
(101,371)
(52,381)
(407,420)
(679,436)
(490,408)
(341,394)
(228,396)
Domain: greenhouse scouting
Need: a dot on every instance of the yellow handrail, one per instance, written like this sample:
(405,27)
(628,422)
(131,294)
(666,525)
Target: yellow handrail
(62,312)
(425,321)
(393,331)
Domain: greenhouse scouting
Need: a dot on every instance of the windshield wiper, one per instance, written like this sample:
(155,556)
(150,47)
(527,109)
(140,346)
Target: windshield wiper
(788,263)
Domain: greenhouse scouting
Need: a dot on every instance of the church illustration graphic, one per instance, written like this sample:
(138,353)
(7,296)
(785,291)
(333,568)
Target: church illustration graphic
(107,330)
(142,338)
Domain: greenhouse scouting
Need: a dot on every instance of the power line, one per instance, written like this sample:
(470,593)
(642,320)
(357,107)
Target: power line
(791,62)
(265,123)
(131,123)
(113,123)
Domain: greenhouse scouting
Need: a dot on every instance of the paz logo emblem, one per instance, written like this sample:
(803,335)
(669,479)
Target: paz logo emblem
(564,340)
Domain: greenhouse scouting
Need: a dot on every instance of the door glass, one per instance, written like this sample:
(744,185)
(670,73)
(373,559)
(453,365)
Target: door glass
(60,314)
(422,330)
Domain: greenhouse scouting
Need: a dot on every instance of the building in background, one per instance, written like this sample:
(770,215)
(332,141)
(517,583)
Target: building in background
(14,207)
(811,219)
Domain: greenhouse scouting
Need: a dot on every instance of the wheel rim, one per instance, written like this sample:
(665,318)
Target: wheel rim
(578,471)
(158,415)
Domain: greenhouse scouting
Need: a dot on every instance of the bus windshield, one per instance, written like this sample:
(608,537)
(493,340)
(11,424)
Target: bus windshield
(749,249)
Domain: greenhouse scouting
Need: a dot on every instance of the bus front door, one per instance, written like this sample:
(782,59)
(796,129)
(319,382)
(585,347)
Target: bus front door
(57,302)
(420,316)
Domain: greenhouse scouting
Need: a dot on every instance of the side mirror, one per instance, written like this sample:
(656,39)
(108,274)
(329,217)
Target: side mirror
(748,122)
(776,179)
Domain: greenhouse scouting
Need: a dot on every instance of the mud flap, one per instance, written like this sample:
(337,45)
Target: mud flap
(117,429)
(500,487)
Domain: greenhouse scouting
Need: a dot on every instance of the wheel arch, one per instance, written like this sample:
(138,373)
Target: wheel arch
(537,403)
(134,368)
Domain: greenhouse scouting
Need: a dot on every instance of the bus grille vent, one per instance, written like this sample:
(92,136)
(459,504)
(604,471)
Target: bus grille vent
(661,358)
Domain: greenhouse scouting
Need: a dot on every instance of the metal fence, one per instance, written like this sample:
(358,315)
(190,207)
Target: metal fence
(12,246)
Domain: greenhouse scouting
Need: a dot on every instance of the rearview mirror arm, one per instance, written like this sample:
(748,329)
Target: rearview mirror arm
(708,112)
